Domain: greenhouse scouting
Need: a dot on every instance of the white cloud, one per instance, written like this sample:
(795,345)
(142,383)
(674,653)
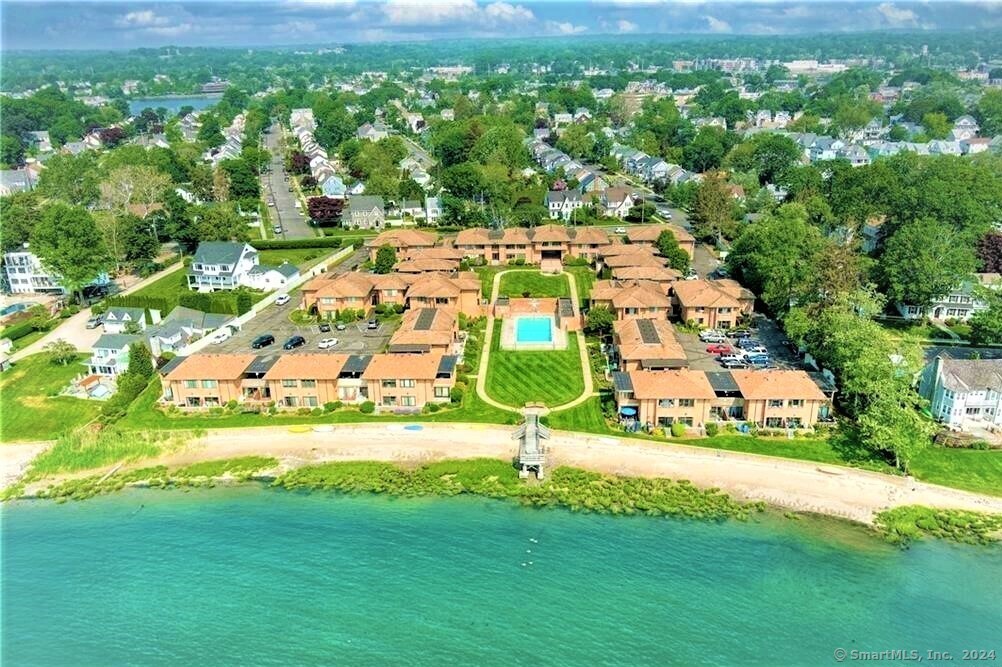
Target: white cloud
(146,18)
(172,30)
(626,26)
(717,25)
(564,27)
(416,12)
(320,3)
(296,27)
(897,16)
(503,11)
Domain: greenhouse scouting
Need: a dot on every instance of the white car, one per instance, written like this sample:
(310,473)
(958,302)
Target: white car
(707,334)
(620,230)
(221,336)
(327,343)
(282,299)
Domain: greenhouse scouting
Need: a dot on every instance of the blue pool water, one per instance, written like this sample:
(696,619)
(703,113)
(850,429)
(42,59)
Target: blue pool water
(533,330)
(14,308)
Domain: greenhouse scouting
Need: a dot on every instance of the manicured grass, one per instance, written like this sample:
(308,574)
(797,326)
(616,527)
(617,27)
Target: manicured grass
(533,283)
(584,276)
(173,285)
(586,418)
(26,410)
(301,257)
(970,469)
(551,377)
(919,330)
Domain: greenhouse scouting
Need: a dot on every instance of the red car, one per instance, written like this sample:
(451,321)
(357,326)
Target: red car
(719,348)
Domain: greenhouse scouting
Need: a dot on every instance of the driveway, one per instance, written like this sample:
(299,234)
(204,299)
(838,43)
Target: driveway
(276,188)
(704,262)
(763,329)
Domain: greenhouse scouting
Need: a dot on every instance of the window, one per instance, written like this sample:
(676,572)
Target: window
(796,402)
(327,301)
(666,403)
(408,401)
(389,400)
(406,383)
(308,384)
(794,422)
(389,384)
(194,401)
(972,411)
(441,392)
(665,421)
(310,401)
(209,384)
(775,403)
(686,402)
(774,422)
(190,384)
(288,383)
(290,401)
(685,420)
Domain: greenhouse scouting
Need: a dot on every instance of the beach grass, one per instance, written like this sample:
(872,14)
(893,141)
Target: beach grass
(552,377)
(534,284)
(86,450)
(29,407)
(902,525)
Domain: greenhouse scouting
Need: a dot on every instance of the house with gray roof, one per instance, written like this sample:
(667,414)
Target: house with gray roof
(563,203)
(110,356)
(119,319)
(181,327)
(965,394)
(221,265)
(265,277)
(367,212)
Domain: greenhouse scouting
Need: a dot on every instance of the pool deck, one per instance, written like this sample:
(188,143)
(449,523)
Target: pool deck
(509,336)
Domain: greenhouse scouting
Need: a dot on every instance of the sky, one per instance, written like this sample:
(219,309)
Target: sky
(94,24)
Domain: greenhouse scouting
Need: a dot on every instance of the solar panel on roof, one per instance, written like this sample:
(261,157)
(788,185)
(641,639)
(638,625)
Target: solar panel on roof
(425,319)
(648,333)
(261,364)
(356,364)
(622,382)
(447,365)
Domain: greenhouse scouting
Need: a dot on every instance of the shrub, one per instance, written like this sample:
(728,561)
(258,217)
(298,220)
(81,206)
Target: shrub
(712,429)
(330,406)
(317,412)
(433,407)
(367,408)
(232,404)
(18,330)
(677,430)
(297,244)
(456,395)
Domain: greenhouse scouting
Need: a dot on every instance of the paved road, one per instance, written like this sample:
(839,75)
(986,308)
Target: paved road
(419,153)
(276,188)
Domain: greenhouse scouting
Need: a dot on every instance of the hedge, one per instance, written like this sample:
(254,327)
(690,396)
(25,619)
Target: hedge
(209,302)
(139,301)
(294,244)
(18,330)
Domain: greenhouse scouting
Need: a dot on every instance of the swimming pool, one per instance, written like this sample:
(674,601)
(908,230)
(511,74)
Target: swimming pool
(534,330)
(15,308)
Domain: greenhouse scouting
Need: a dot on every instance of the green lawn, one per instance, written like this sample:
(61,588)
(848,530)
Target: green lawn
(970,469)
(173,285)
(533,283)
(584,276)
(28,412)
(301,257)
(586,418)
(551,377)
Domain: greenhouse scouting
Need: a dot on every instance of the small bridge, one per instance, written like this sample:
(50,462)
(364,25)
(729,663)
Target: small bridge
(531,452)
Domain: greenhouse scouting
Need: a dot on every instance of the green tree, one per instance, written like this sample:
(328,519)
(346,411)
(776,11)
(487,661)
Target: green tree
(937,125)
(767,154)
(18,214)
(706,150)
(712,209)
(986,325)
(139,241)
(71,178)
(576,141)
(599,321)
(210,133)
(989,112)
(243,180)
(923,260)
(70,245)
(61,352)
(386,258)
(669,248)
(140,361)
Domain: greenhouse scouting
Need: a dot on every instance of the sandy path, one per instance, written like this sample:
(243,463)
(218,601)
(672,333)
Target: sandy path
(14,460)
(802,486)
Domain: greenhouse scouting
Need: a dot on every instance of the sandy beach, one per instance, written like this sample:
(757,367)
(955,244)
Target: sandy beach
(795,485)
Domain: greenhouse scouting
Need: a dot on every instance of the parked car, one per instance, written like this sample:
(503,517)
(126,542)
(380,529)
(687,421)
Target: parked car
(372,325)
(748,343)
(340,326)
(758,349)
(734,364)
(719,272)
(264,340)
(740,333)
(620,230)
(710,336)
(732,358)
(324,327)
(691,275)
(277,229)
(757,359)
(294,342)
(719,348)
(282,299)
(221,336)
(95,322)
(327,343)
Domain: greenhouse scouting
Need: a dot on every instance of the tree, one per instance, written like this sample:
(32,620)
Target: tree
(243,179)
(299,163)
(669,248)
(111,136)
(986,325)
(989,112)
(706,150)
(767,154)
(989,252)
(937,125)
(599,321)
(897,133)
(71,178)
(923,260)
(219,222)
(18,213)
(325,211)
(140,361)
(61,352)
(576,141)
(712,210)
(642,212)
(69,244)
(134,189)
(210,132)
(139,241)
(386,258)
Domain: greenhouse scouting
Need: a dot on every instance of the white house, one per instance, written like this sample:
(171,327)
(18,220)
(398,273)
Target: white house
(269,278)
(964,127)
(119,319)
(432,209)
(963,393)
(960,304)
(26,275)
(110,357)
(563,203)
(372,131)
(221,265)
(182,326)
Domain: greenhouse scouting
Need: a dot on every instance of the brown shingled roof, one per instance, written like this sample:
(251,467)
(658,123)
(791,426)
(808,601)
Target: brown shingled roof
(683,383)
(777,384)
(403,238)
(632,346)
(650,233)
(212,367)
(307,366)
(402,367)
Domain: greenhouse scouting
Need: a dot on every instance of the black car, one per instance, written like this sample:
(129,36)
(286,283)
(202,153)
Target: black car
(325,328)
(264,340)
(294,342)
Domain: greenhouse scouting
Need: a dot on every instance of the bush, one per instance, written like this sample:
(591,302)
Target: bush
(297,244)
(456,395)
(712,429)
(433,407)
(677,430)
(18,331)
(367,408)
(137,301)
(331,406)
(232,404)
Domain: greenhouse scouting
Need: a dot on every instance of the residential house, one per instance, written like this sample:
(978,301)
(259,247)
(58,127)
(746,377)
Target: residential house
(221,265)
(210,380)
(664,397)
(25,274)
(647,235)
(662,275)
(118,320)
(532,246)
(631,299)
(16,180)
(41,141)
(460,292)
(332,186)
(617,256)
(959,304)
(616,202)
(403,241)
(713,304)
(443,259)
(964,127)
(372,131)
(432,210)
(781,398)
(110,355)
(407,382)
(360,291)
(367,212)
(964,394)
(182,326)
(268,278)
(975,145)
(873,233)
(426,330)
(563,203)
(646,344)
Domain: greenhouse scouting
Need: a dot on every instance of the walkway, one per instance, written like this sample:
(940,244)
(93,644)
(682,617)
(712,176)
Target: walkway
(74,329)
(589,387)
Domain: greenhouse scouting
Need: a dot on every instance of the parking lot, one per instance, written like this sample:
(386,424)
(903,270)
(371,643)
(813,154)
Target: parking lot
(762,329)
(355,339)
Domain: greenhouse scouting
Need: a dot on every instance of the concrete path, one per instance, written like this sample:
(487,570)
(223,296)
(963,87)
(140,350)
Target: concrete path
(74,329)
(589,387)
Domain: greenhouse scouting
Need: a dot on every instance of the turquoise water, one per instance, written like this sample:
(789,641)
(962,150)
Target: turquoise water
(172,104)
(254,576)
(533,330)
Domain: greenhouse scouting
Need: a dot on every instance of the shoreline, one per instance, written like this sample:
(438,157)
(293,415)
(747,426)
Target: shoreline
(841,492)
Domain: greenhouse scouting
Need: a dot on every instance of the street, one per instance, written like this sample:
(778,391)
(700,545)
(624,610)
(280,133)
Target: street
(276,188)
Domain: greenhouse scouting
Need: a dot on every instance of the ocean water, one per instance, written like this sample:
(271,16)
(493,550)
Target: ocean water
(253,576)
(172,104)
